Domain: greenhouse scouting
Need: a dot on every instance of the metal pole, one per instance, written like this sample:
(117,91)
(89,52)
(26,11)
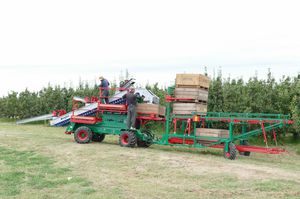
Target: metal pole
(244,130)
(168,113)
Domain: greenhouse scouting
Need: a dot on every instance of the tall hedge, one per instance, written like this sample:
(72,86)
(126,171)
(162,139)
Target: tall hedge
(225,95)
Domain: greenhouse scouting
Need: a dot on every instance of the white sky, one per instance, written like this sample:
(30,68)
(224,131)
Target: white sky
(61,41)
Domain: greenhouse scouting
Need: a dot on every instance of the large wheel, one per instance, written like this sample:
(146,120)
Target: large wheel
(98,137)
(246,153)
(149,136)
(128,139)
(83,135)
(144,144)
(231,154)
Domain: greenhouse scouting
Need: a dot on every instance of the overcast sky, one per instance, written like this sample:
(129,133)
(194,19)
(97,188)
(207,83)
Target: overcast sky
(62,41)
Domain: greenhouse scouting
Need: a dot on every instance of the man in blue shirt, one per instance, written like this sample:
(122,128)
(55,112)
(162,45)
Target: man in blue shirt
(104,86)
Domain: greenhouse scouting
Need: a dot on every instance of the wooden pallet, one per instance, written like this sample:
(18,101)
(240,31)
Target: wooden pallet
(149,115)
(198,95)
(216,133)
(192,81)
(206,142)
(188,108)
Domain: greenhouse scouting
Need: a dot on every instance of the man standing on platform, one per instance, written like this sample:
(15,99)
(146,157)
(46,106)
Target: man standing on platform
(104,86)
(131,100)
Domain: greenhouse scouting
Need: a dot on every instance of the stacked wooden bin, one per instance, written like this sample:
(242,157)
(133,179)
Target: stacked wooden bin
(151,109)
(212,133)
(192,90)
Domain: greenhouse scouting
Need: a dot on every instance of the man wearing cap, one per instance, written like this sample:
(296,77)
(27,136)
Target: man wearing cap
(104,86)
(131,100)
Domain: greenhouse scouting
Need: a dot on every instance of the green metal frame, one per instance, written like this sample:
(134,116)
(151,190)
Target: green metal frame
(115,124)
(112,124)
(271,121)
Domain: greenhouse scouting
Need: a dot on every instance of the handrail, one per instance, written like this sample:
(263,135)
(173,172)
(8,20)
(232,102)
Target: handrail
(242,116)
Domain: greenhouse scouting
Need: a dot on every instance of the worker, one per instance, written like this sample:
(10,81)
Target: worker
(131,100)
(104,86)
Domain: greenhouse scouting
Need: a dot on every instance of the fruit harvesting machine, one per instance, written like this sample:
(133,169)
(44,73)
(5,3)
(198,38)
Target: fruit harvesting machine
(62,118)
(193,130)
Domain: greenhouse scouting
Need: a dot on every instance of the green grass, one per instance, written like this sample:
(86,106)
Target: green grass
(7,120)
(29,170)
(37,161)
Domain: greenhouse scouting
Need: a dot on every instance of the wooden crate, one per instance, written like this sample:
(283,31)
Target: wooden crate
(193,93)
(220,133)
(192,81)
(162,110)
(188,108)
(156,109)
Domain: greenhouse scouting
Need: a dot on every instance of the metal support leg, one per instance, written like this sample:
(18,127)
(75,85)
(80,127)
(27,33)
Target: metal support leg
(231,131)
(175,125)
(274,136)
(244,130)
(226,147)
(188,127)
(265,134)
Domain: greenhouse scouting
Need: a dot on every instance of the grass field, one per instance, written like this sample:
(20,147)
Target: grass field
(42,162)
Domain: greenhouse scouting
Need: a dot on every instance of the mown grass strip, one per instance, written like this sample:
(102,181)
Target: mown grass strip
(29,170)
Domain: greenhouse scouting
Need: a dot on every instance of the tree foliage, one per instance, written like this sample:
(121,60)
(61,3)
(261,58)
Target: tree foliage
(225,95)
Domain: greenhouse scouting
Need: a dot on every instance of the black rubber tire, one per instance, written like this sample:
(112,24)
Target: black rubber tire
(231,155)
(83,135)
(98,137)
(144,144)
(127,139)
(246,153)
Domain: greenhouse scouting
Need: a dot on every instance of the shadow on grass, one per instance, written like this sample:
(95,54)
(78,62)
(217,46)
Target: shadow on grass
(178,149)
(175,149)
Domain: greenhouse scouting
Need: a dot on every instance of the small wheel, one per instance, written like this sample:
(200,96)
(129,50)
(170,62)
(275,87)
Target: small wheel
(128,139)
(246,153)
(148,136)
(98,137)
(231,154)
(83,135)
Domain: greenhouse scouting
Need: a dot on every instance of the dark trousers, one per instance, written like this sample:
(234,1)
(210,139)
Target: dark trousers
(105,94)
(131,116)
